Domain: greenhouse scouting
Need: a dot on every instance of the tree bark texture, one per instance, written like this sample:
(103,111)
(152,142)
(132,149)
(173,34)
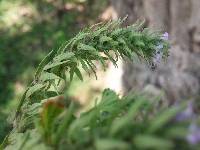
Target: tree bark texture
(179,77)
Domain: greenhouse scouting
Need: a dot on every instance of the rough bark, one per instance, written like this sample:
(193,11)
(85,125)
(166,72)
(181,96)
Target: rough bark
(179,77)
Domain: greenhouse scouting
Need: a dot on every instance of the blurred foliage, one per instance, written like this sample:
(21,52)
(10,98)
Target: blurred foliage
(28,29)
(127,123)
(4,127)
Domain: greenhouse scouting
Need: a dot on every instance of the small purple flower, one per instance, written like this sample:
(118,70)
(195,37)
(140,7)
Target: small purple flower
(187,114)
(165,36)
(159,52)
(194,134)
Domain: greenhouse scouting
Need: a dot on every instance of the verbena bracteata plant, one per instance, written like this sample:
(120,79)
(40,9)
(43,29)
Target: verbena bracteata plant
(130,122)
(85,48)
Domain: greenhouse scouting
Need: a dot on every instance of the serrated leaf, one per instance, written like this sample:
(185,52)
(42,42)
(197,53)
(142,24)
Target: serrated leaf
(116,32)
(102,63)
(79,37)
(45,76)
(45,61)
(84,65)
(71,73)
(78,73)
(43,95)
(88,48)
(34,89)
(34,109)
(91,65)
(55,87)
(54,64)
(63,56)
(139,43)
(104,39)
(111,58)
(85,47)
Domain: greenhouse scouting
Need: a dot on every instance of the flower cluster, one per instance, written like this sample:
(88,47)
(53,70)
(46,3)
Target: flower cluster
(159,52)
(194,134)
(188,114)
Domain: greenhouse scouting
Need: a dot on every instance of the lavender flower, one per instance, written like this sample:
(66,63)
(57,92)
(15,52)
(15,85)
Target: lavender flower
(194,131)
(187,114)
(165,36)
(194,135)
(159,52)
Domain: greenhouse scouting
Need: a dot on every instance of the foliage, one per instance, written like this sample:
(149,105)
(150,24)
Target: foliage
(4,126)
(87,47)
(28,29)
(20,38)
(130,122)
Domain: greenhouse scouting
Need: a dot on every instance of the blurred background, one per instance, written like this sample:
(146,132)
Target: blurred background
(29,29)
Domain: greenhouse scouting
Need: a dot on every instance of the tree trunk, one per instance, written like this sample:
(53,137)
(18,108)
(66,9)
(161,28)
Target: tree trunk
(179,77)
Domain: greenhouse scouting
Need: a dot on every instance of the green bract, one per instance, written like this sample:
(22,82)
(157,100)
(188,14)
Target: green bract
(130,122)
(87,47)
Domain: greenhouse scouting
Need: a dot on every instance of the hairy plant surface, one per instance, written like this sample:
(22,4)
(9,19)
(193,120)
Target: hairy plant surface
(130,122)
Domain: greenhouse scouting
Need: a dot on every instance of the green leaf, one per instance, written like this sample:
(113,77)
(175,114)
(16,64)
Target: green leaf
(63,56)
(108,95)
(139,43)
(111,144)
(152,142)
(34,89)
(65,123)
(105,39)
(85,120)
(121,123)
(84,65)
(91,65)
(80,36)
(50,111)
(45,61)
(71,73)
(38,96)
(55,87)
(78,73)
(111,58)
(163,118)
(46,76)
(177,132)
(54,64)
(85,47)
